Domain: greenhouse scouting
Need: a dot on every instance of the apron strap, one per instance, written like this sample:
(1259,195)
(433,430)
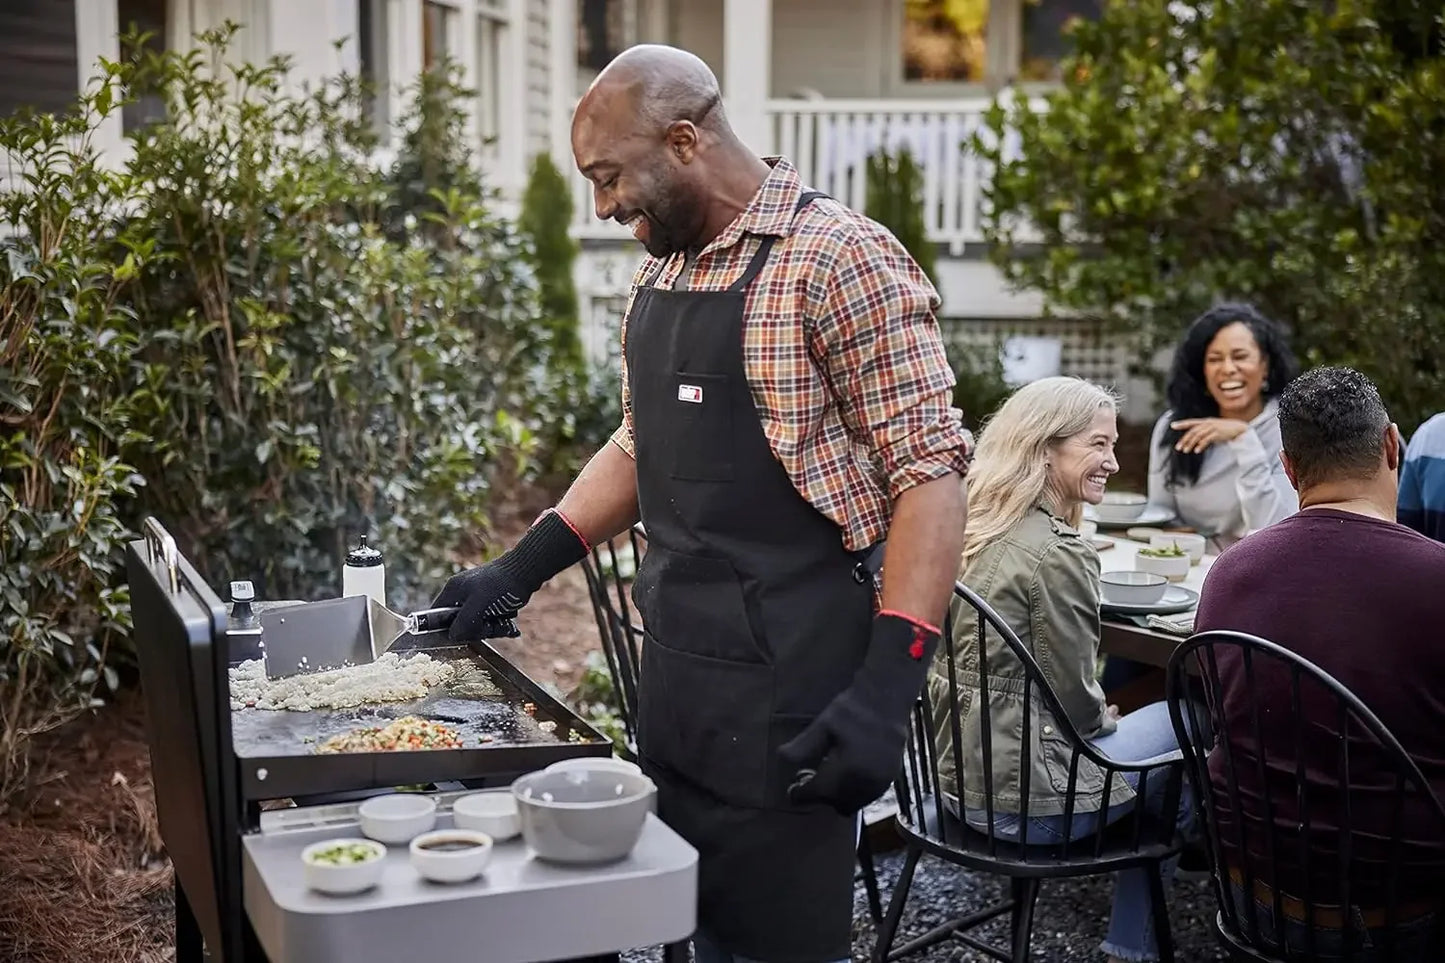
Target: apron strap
(755,266)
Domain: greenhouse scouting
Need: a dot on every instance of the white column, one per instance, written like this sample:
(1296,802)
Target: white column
(512,124)
(747,62)
(562,78)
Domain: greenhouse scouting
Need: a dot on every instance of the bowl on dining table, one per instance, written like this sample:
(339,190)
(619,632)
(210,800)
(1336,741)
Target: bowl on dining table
(1120,508)
(582,815)
(1191,544)
(1133,588)
(1173,567)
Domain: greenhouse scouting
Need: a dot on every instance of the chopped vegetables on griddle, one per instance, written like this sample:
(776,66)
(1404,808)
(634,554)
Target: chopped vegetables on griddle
(406,733)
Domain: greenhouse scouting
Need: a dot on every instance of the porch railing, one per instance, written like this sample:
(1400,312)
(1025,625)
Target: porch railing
(830,142)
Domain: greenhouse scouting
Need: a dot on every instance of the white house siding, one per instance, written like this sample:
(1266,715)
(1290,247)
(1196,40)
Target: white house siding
(837,48)
(833,47)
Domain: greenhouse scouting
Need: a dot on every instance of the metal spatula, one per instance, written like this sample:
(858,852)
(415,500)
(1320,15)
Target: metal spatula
(349,631)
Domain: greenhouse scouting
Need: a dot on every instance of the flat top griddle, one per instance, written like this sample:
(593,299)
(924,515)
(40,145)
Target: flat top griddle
(508,724)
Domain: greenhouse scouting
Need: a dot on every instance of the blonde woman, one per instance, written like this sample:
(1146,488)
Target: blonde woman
(1046,452)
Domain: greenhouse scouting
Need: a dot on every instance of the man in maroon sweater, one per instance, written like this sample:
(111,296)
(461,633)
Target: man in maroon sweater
(1346,587)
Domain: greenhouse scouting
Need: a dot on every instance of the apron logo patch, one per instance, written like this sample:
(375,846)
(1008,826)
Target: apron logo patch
(690,393)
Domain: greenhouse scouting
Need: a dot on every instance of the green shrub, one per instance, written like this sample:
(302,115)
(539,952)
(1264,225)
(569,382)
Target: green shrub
(894,198)
(342,349)
(69,422)
(546,221)
(260,335)
(1286,152)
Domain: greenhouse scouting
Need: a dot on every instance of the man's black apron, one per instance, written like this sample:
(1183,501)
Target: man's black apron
(755,617)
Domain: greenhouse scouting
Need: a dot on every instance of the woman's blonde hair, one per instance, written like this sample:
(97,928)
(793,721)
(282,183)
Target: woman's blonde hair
(1009,476)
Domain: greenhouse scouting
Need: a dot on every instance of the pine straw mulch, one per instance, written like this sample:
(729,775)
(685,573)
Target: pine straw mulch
(82,875)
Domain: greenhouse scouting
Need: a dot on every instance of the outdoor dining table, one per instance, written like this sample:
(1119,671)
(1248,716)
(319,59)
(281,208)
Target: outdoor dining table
(1123,635)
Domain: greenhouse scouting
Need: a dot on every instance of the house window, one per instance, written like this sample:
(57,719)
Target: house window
(437,33)
(491,34)
(373,58)
(38,57)
(945,40)
(144,16)
(604,29)
(1044,39)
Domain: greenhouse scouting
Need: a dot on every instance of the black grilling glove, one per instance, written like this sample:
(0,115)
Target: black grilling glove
(851,753)
(490,595)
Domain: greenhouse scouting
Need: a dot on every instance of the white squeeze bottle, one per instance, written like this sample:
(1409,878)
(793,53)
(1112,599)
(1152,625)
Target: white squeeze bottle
(364,574)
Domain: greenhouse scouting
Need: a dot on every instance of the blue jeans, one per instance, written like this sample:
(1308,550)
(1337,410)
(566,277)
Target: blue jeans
(1415,941)
(1141,736)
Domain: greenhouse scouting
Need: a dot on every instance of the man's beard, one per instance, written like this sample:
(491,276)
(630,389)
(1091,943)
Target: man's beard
(667,227)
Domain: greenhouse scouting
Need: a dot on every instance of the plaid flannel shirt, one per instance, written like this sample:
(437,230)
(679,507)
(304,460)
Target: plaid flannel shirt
(842,353)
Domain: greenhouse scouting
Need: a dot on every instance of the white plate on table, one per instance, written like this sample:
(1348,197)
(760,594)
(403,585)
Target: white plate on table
(1176,598)
(1152,515)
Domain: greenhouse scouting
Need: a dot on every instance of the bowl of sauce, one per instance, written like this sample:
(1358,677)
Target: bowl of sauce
(450,855)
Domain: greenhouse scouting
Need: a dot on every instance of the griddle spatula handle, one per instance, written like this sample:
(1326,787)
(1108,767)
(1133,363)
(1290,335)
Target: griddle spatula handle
(432,620)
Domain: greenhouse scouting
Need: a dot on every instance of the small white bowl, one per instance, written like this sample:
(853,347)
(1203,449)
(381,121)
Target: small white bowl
(451,855)
(493,813)
(342,879)
(397,818)
(1173,567)
(1118,508)
(1133,588)
(1192,545)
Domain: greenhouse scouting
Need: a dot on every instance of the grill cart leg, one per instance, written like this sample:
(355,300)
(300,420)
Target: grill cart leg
(190,947)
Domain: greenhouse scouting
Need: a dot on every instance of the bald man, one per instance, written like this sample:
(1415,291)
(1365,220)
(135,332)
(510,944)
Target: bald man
(786,407)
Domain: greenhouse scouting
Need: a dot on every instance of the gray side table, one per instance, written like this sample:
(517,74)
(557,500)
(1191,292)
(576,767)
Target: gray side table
(520,910)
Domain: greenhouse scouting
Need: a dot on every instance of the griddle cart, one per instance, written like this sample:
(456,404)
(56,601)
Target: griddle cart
(213,768)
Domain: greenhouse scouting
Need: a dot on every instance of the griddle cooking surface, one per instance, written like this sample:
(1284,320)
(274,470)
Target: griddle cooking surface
(478,702)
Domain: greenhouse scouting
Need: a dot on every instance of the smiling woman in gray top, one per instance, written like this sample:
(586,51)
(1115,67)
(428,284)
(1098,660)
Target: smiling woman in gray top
(1214,455)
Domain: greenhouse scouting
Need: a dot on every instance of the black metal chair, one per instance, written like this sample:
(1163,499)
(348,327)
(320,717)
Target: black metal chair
(930,821)
(609,570)
(1305,736)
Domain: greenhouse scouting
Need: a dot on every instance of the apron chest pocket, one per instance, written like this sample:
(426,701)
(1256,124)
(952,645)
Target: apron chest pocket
(700,439)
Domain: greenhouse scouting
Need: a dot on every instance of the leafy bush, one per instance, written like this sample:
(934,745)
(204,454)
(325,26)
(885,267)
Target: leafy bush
(261,335)
(894,198)
(980,387)
(1286,152)
(546,221)
(350,346)
(68,418)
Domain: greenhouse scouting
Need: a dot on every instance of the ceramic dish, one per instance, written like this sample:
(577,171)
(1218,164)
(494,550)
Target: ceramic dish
(1176,598)
(341,867)
(451,855)
(1151,515)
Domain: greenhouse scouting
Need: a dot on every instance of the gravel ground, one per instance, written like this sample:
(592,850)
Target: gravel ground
(1069,920)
